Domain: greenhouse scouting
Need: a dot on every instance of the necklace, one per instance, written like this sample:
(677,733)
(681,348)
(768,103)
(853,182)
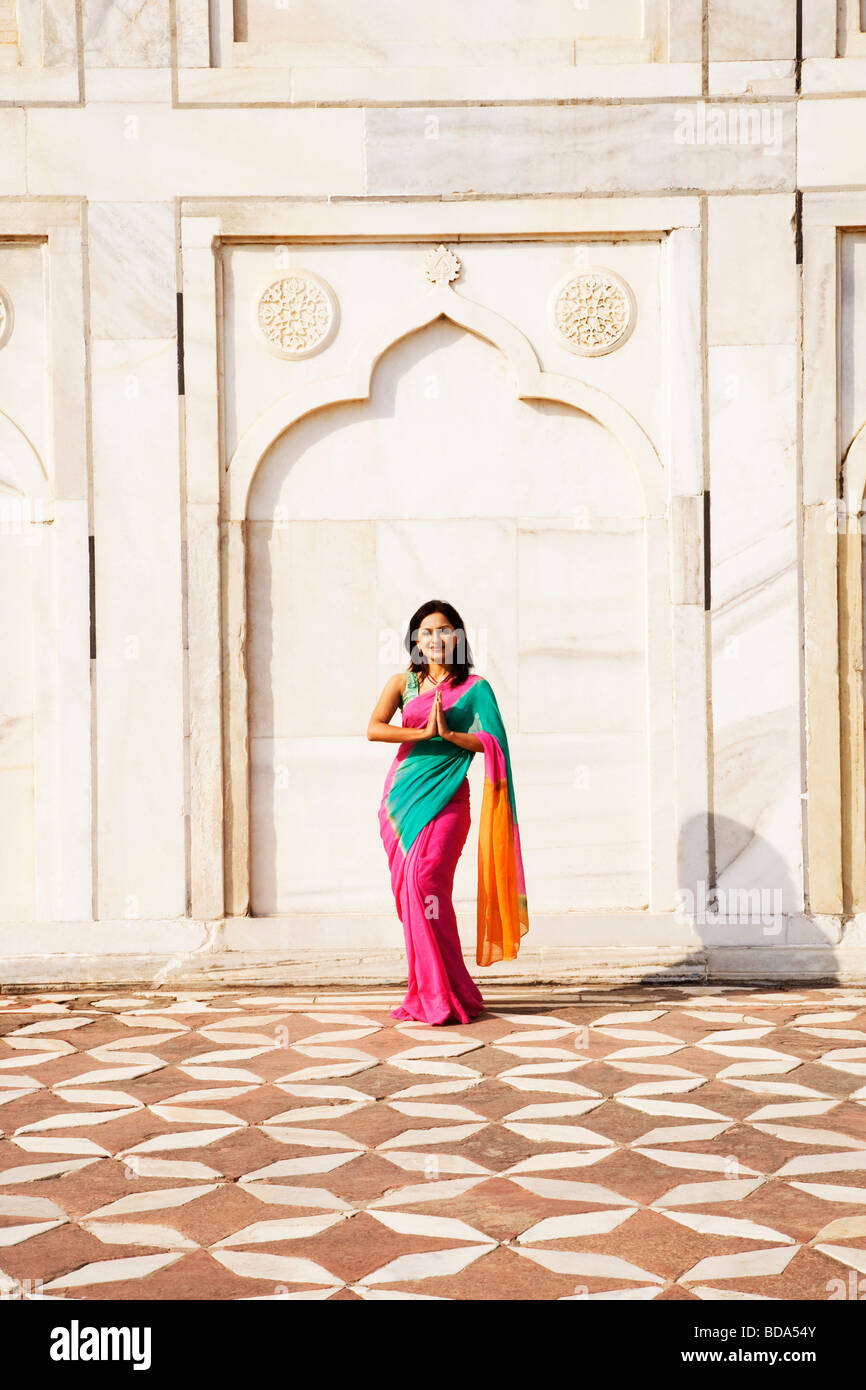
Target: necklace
(441,680)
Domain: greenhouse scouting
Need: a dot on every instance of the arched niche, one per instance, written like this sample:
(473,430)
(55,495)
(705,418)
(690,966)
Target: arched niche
(291,450)
(530,383)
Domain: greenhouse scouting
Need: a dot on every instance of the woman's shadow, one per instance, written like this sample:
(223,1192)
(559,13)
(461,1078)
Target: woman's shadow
(737,893)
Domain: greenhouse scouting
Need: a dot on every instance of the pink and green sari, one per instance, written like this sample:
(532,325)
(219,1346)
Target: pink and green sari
(424,821)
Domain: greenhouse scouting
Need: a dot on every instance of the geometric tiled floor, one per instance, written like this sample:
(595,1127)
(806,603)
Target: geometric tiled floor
(628,1143)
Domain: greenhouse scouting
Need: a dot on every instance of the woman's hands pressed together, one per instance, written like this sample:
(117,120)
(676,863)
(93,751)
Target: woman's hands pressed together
(436,726)
(442,728)
(382,730)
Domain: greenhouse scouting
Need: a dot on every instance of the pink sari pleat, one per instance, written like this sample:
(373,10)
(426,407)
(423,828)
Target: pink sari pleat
(439,986)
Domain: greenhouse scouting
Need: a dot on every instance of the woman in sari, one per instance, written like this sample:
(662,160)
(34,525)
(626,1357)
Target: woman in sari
(449,714)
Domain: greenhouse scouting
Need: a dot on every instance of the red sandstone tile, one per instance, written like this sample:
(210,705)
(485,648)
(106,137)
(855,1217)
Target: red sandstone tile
(499,1208)
(242,1152)
(206,1219)
(355,1247)
(195,1276)
(52,1253)
(809,1275)
(494,1148)
(500,1274)
(739,1144)
(360,1180)
(784,1207)
(658,1244)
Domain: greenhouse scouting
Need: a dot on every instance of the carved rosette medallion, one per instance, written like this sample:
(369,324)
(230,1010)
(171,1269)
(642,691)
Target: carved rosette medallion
(5,317)
(593,312)
(297,315)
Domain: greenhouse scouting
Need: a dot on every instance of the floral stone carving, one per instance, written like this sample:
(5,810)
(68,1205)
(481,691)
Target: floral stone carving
(297,314)
(593,312)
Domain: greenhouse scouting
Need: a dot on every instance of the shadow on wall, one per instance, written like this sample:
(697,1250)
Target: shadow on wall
(747,900)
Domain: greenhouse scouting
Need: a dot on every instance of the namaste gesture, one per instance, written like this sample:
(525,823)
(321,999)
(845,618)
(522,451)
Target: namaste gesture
(436,721)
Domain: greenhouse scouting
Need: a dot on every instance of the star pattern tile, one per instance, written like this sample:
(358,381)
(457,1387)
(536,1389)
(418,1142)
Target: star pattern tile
(692,1142)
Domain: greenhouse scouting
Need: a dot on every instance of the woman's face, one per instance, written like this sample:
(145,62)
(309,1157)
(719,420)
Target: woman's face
(437,639)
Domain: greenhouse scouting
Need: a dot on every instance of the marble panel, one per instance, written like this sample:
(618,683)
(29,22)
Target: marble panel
(133,279)
(119,35)
(138,152)
(139,676)
(601,148)
(756,682)
(752,280)
(582,620)
(741,30)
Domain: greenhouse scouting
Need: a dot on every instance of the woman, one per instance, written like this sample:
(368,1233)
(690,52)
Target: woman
(448,715)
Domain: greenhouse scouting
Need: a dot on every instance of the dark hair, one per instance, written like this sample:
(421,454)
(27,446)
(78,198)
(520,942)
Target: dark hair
(463,659)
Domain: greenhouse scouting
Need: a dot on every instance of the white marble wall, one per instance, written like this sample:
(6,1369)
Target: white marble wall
(665,141)
(23,444)
(754,385)
(337,33)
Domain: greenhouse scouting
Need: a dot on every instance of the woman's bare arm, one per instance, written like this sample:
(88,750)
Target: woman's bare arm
(380,729)
(464,741)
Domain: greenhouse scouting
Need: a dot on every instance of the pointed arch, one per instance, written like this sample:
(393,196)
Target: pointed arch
(530,383)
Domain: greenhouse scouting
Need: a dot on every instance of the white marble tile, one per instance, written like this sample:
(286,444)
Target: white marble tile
(830,138)
(129,84)
(133,289)
(583,812)
(752,79)
(315,848)
(753,403)
(138,629)
(738,30)
(457,24)
(59,37)
(582,658)
(682,292)
(192,20)
(753,290)
(117,35)
(820,32)
(313,630)
(591,77)
(13,177)
(757,807)
(503,150)
(832,74)
(137,152)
